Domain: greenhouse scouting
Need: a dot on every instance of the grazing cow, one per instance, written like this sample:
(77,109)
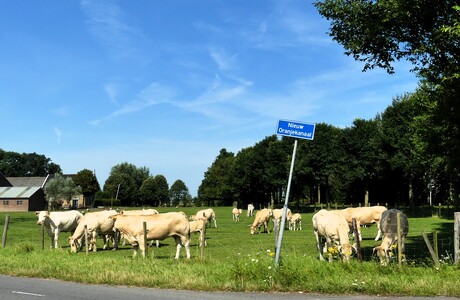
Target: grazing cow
(389,227)
(97,223)
(236,214)
(277,214)
(364,216)
(159,227)
(330,230)
(295,222)
(262,217)
(58,221)
(207,214)
(250,212)
(197,226)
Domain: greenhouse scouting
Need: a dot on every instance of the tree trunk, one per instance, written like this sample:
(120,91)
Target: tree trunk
(319,193)
(411,196)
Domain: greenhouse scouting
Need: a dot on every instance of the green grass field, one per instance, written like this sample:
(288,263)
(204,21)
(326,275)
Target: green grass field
(237,261)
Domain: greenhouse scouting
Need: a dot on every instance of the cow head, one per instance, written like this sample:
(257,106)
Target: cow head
(74,245)
(345,250)
(253,229)
(42,215)
(383,254)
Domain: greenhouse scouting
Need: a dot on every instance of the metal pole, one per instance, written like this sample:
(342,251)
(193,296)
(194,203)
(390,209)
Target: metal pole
(283,218)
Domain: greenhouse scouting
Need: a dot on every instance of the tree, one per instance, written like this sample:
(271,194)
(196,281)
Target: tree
(379,33)
(424,32)
(178,193)
(125,181)
(162,190)
(147,192)
(89,185)
(13,164)
(59,189)
(319,160)
(364,156)
(216,184)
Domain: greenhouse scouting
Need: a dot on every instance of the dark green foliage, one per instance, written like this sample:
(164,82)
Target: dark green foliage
(179,195)
(13,164)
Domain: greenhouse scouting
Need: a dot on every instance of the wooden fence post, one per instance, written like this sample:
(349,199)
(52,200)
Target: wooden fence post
(144,224)
(203,239)
(86,240)
(5,230)
(435,244)
(456,237)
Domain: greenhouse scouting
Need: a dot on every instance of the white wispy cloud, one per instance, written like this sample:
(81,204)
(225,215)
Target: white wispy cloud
(58,134)
(223,60)
(152,95)
(107,23)
(111,90)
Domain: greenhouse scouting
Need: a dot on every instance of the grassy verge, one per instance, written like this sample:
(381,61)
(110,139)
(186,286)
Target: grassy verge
(235,261)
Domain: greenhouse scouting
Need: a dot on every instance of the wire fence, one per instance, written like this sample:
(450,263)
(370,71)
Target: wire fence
(18,230)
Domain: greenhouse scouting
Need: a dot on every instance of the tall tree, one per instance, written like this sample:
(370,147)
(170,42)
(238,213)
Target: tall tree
(320,158)
(124,182)
(424,32)
(178,193)
(147,192)
(162,190)
(382,32)
(217,182)
(364,156)
(87,180)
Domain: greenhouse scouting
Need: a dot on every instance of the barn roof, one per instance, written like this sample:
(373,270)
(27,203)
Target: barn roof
(4,181)
(18,192)
(28,181)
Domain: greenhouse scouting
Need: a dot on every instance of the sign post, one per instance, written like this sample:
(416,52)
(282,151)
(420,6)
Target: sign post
(297,130)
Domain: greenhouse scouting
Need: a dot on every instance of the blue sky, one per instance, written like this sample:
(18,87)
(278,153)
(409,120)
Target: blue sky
(167,84)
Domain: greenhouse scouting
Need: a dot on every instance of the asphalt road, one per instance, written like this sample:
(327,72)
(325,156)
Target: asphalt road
(22,288)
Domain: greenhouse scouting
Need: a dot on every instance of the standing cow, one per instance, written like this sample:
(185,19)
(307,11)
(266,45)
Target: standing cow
(236,212)
(250,212)
(97,223)
(389,227)
(58,221)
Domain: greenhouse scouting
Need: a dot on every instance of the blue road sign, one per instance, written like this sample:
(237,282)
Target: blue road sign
(296,129)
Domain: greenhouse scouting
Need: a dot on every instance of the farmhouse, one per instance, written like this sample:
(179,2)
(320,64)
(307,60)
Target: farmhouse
(28,194)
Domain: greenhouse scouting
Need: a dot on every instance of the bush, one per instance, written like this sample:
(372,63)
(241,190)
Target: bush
(107,202)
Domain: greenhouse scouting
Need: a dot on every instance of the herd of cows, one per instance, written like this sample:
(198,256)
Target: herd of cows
(331,227)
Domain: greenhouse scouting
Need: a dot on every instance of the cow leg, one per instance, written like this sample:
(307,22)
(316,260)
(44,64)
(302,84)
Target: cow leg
(318,245)
(215,222)
(93,242)
(135,248)
(379,231)
(105,240)
(56,238)
(178,246)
